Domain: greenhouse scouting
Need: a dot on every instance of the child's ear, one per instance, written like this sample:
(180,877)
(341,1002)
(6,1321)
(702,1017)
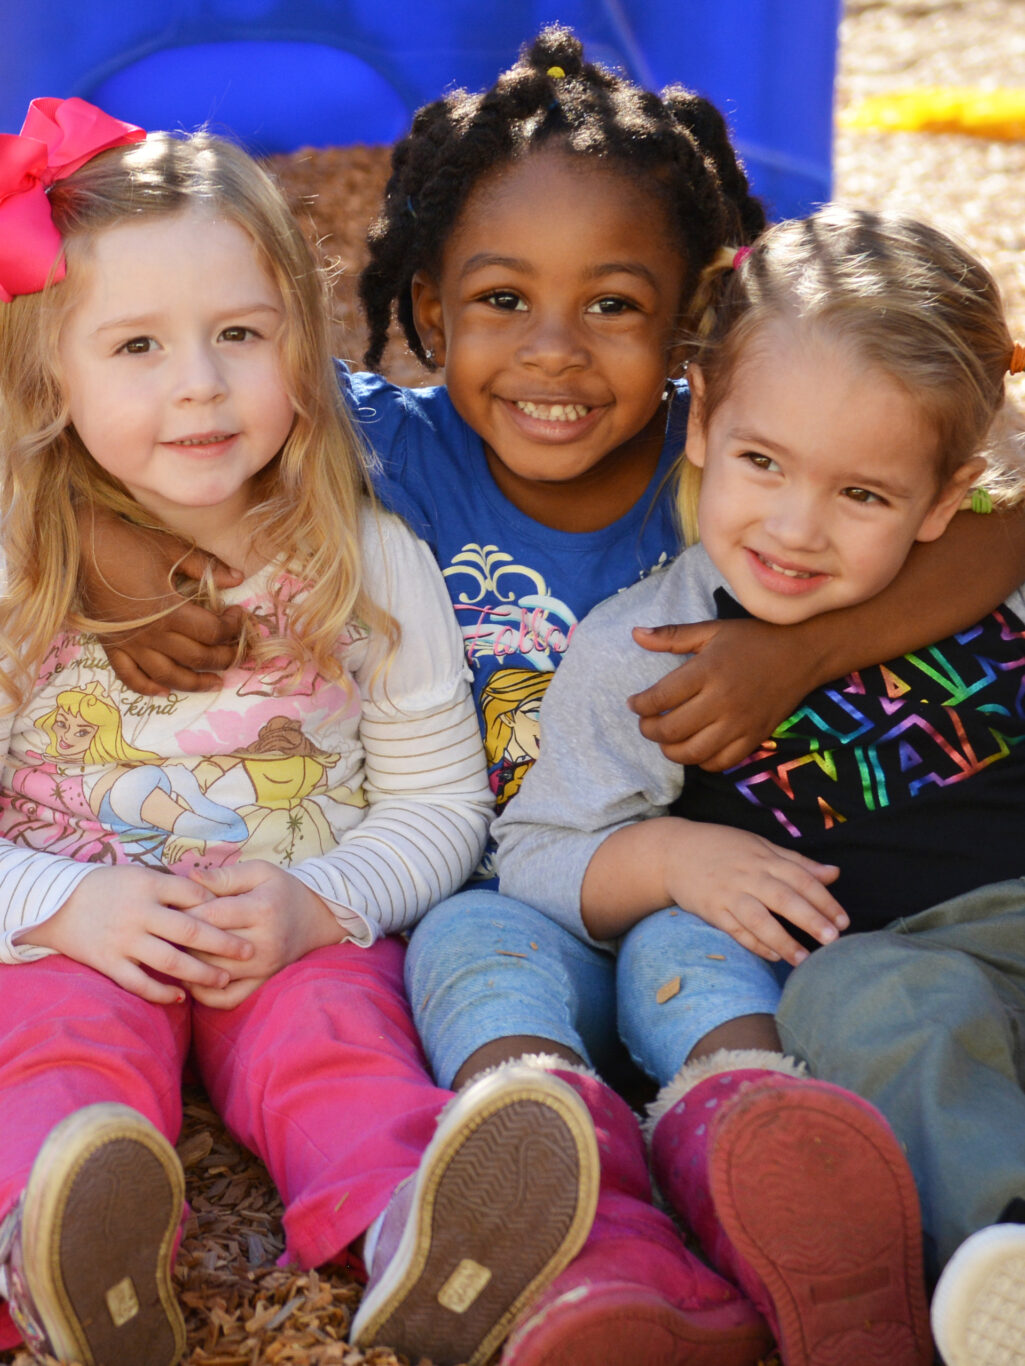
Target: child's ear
(427,315)
(695,448)
(937,519)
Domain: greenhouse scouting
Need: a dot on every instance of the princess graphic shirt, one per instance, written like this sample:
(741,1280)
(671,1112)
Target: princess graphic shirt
(518,588)
(368,786)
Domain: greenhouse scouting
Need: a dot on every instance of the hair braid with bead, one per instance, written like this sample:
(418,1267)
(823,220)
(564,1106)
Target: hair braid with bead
(676,144)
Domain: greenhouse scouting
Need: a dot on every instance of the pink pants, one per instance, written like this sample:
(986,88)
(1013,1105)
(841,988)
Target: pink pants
(319,1072)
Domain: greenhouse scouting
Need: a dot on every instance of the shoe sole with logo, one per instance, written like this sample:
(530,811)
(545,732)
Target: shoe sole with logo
(102,1208)
(503,1199)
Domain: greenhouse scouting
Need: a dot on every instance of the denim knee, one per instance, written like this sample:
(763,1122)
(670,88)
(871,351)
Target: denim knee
(482,967)
(678,979)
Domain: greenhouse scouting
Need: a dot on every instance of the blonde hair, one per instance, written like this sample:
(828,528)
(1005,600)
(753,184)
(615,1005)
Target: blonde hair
(93,706)
(902,296)
(308,497)
(502,697)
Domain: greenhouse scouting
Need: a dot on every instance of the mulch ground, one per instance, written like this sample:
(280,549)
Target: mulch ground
(241,1308)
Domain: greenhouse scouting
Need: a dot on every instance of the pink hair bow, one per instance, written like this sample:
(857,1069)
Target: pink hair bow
(57,137)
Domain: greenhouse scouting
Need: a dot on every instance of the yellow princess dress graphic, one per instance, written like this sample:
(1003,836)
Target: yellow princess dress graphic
(285,770)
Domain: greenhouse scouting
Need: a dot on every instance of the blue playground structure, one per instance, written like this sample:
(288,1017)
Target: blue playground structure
(282,74)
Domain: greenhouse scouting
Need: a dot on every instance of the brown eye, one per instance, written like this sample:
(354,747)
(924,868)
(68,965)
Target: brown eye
(859,495)
(505,299)
(610,306)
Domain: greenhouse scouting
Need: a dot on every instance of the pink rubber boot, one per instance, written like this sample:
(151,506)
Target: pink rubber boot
(800,1194)
(634,1293)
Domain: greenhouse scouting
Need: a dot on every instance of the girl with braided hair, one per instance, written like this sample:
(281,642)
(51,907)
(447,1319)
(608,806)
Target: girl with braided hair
(555,243)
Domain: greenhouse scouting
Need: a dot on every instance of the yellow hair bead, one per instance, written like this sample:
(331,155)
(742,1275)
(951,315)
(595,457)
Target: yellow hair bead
(556,73)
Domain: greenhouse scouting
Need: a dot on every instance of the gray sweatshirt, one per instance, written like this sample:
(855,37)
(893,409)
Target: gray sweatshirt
(596,772)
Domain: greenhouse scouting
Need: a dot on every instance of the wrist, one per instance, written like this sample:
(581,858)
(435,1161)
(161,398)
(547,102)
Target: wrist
(322,927)
(814,649)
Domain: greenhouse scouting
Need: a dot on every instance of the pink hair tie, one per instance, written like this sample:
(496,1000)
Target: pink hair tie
(57,137)
(740,256)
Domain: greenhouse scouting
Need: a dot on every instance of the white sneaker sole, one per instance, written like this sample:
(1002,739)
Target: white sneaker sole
(503,1199)
(102,1207)
(978,1310)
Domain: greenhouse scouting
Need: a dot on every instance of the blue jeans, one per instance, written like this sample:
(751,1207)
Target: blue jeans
(482,967)
(926,1019)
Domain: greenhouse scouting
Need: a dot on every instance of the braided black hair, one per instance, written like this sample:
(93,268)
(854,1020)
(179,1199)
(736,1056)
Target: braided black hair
(676,141)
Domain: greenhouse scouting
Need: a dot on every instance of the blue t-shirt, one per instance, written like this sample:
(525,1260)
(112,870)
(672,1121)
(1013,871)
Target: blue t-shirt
(518,588)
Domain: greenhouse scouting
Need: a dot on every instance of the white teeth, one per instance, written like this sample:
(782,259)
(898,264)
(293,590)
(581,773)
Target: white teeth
(553,412)
(789,573)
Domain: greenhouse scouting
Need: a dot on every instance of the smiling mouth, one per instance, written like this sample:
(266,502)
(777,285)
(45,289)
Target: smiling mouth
(553,412)
(785,571)
(209,439)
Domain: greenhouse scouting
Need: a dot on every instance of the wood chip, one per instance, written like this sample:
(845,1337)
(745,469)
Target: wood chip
(668,990)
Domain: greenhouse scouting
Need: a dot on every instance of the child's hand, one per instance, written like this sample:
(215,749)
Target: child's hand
(280,917)
(744,678)
(124,920)
(740,882)
(126,573)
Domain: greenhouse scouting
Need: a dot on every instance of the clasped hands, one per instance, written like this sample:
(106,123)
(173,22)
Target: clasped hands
(216,935)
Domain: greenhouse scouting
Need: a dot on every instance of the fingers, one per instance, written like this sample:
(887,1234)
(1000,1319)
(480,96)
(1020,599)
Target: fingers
(197,562)
(698,745)
(825,873)
(797,897)
(193,933)
(184,652)
(226,913)
(136,980)
(131,675)
(719,755)
(682,639)
(754,928)
(198,626)
(232,880)
(674,690)
(188,653)
(177,893)
(226,998)
(164,958)
(151,672)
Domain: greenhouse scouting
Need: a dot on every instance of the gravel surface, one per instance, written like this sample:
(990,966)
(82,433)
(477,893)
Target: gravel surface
(971,187)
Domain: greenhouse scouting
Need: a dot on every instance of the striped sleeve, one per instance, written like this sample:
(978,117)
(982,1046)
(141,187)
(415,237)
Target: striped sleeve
(425,774)
(33,886)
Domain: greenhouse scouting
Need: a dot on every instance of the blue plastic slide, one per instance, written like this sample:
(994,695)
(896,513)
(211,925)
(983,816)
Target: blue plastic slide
(282,74)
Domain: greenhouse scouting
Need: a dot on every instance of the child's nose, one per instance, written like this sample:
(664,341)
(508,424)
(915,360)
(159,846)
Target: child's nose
(200,377)
(797,522)
(553,344)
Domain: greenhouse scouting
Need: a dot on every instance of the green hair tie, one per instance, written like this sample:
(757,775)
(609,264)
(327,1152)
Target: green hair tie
(981,501)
